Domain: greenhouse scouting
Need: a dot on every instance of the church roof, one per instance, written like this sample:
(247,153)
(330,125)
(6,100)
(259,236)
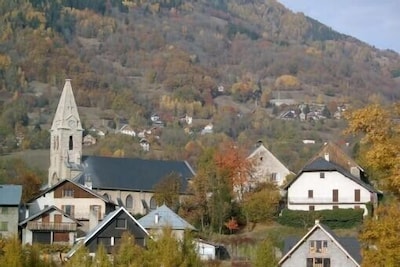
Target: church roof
(66,109)
(132,173)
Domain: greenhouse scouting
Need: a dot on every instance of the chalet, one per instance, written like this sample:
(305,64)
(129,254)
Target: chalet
(267,168)
(126,180)
(10,203)
(322,184)
(49,226)
(163,217)
(321,247)
(109,232)
(89,140)
(75,200)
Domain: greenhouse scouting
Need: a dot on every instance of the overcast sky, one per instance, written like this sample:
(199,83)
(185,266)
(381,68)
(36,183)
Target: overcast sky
(376,22)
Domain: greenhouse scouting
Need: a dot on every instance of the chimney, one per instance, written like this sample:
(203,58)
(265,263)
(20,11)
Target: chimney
(326,156)
(156,218)
(93,217)
(316,221)
(88,181)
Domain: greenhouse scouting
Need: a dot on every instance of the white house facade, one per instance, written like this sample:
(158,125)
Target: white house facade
(323,185)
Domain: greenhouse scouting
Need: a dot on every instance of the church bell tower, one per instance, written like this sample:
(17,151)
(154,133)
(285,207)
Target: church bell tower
(66,138)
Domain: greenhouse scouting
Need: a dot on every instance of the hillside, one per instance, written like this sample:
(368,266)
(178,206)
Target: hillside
(219,61)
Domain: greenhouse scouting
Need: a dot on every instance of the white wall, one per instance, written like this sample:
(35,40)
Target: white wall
(322,192)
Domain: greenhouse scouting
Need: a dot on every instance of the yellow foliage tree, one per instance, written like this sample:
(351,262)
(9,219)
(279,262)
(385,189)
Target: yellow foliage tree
(287,82)
(381,238)
(379,143)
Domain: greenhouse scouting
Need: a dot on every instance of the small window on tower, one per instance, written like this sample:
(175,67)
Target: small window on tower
(71,143)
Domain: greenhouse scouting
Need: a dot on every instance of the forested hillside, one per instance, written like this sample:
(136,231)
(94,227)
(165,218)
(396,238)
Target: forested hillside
(219,61)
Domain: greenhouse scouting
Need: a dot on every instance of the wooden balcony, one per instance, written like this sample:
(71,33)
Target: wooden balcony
(51,226)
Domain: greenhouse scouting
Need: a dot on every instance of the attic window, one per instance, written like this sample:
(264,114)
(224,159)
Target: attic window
(322,175)
(68,193)
(120,223)
(261,158)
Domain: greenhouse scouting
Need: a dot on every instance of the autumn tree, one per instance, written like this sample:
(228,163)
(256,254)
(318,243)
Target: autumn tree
(379,144)
(380,238)
(261,204)
(265,254)
(128,254)
(167,191)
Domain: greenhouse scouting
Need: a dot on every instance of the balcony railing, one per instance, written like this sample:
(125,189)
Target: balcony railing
(322,200)
(51,226)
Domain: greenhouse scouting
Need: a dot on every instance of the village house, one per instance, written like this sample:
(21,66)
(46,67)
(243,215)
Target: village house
(321,247)
(75,200)
(49,226)
(267,168)
(322,184)
(163,217)
(109,232)
(10,203)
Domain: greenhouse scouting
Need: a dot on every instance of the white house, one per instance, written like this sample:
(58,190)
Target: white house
(267,168)
(324,185)
(127,130)
(210,251)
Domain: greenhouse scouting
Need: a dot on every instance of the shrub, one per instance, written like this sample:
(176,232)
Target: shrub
(337,218)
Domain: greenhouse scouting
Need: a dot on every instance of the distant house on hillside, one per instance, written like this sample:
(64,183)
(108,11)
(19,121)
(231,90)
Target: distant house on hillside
(127,130)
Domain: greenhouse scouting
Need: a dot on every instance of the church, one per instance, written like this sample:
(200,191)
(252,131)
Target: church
(128,182)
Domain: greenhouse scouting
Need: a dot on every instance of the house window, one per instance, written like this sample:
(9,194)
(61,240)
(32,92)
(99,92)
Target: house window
(335,195)
(311,208)
(318,246)
(357,196)
(321,175)
(318,262)
(153,203)
(3,226)
(310,193)
(68,209)
(4,210)
(96,210)
(120,223)
(106,196)
(68,193)
(129,202)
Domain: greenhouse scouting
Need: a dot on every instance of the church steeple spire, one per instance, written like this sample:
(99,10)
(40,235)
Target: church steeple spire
(66,138)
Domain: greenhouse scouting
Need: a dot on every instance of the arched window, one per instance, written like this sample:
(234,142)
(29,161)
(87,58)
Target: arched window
(106,196)
(129,202)
(71,143)
(153,203)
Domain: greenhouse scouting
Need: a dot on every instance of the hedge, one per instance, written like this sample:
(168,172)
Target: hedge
(337,218)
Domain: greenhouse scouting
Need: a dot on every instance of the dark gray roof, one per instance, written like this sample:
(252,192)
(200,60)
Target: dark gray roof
(10,195)
(92,233)
(352,246)
(322,165)
(132,174)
